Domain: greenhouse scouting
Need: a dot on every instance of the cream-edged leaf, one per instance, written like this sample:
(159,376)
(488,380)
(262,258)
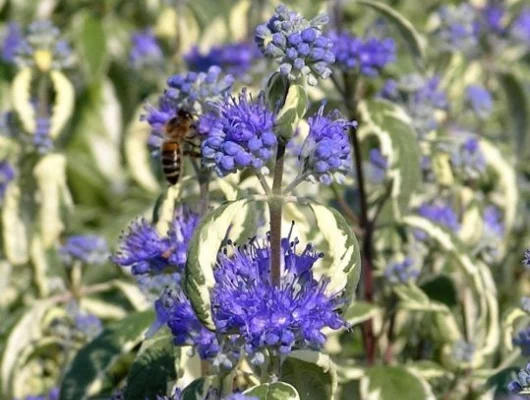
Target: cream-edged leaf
(15,231)
(21,99)
(360,311)
(63,106)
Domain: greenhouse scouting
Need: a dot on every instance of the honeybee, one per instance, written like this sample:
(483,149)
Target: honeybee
(178,131)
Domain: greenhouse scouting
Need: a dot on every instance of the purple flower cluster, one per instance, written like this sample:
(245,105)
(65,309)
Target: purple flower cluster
(7,174)
(87,249)
(326,150)
(522,340)
(88,324)
(420,97)
(480,100)
(493,15)
(53,394)
(521,26)
(468,160)
(145,51)
(12,41)
(239,134)
(493,221)
(146,252)
(296,44)
(522,381)
(250,312)
(440,213)
(41,139)
(234,58)
(44,36)
(368,56)
(192,92)
(459,28)
(401,272)
(526,259)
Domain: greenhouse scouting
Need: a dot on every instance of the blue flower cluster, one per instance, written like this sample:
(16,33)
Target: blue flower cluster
(146,252)
(468,160)
(254,313)
(87,249)
(41,139)
(522,340)
(377,166)
(296,44)
(7,174)
(401,272)
(526,259)
(53,394)
(88,324)
(463,351)
(440,213)
(521,26)
(152,286)
(191,91)
(480,100)
(327,150)
(368,56)
(522,381)
(459,28)
(493,16)
(420,97)
(12,41)
(145,51)
(44,36)
(493,220)
(234,58)
(238,134)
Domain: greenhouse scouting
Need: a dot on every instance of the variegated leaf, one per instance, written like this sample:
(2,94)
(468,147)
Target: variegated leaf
(21,99)
(63,105)
(273,391)
(15,231)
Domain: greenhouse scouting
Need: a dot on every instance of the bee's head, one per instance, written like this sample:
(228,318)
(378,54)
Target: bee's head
(184,114)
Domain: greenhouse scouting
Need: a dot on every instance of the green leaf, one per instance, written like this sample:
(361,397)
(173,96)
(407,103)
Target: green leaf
(50,175)
(342,264)
(15,231)
(414,299)
(360,311)
(276,90)
(428,370)
(311,373)
(27,330)
(398,143)
(387,382)
(518,109)
(198,389)
(153,368)
(274,391)
(137,153)
(91,45)
(21,99)
(63,105)
(441,289)
(405,28)
(292,111)
(202,257)
(88,370)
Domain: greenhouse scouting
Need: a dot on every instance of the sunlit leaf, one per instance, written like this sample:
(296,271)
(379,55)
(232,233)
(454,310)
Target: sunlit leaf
(15,232)
(63,105)
(274,391)
(21,99)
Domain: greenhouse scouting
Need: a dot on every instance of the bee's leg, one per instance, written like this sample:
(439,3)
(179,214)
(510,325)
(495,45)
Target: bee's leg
(192,153)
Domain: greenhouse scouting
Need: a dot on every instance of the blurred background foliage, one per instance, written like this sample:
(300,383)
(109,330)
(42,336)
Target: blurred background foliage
(468,298)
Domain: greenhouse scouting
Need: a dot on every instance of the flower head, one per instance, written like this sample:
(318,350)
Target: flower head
(467,159)
(326,149)
(43,48)
(459,28)
(421,98)
(12,41)
(493,16)
(441,213)
(493,220)
(240,396)
(192,92)
(526,259)
(88,249)
(480,100)
(296,44)
(238,134)
(463,351)
(146,251)
(520,29)
(234,58)
(7,174)
(522,340)
(401,272)
(521,382)
(145,51)
(368,56)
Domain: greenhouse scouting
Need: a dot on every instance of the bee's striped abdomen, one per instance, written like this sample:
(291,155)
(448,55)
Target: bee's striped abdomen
(171,161)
